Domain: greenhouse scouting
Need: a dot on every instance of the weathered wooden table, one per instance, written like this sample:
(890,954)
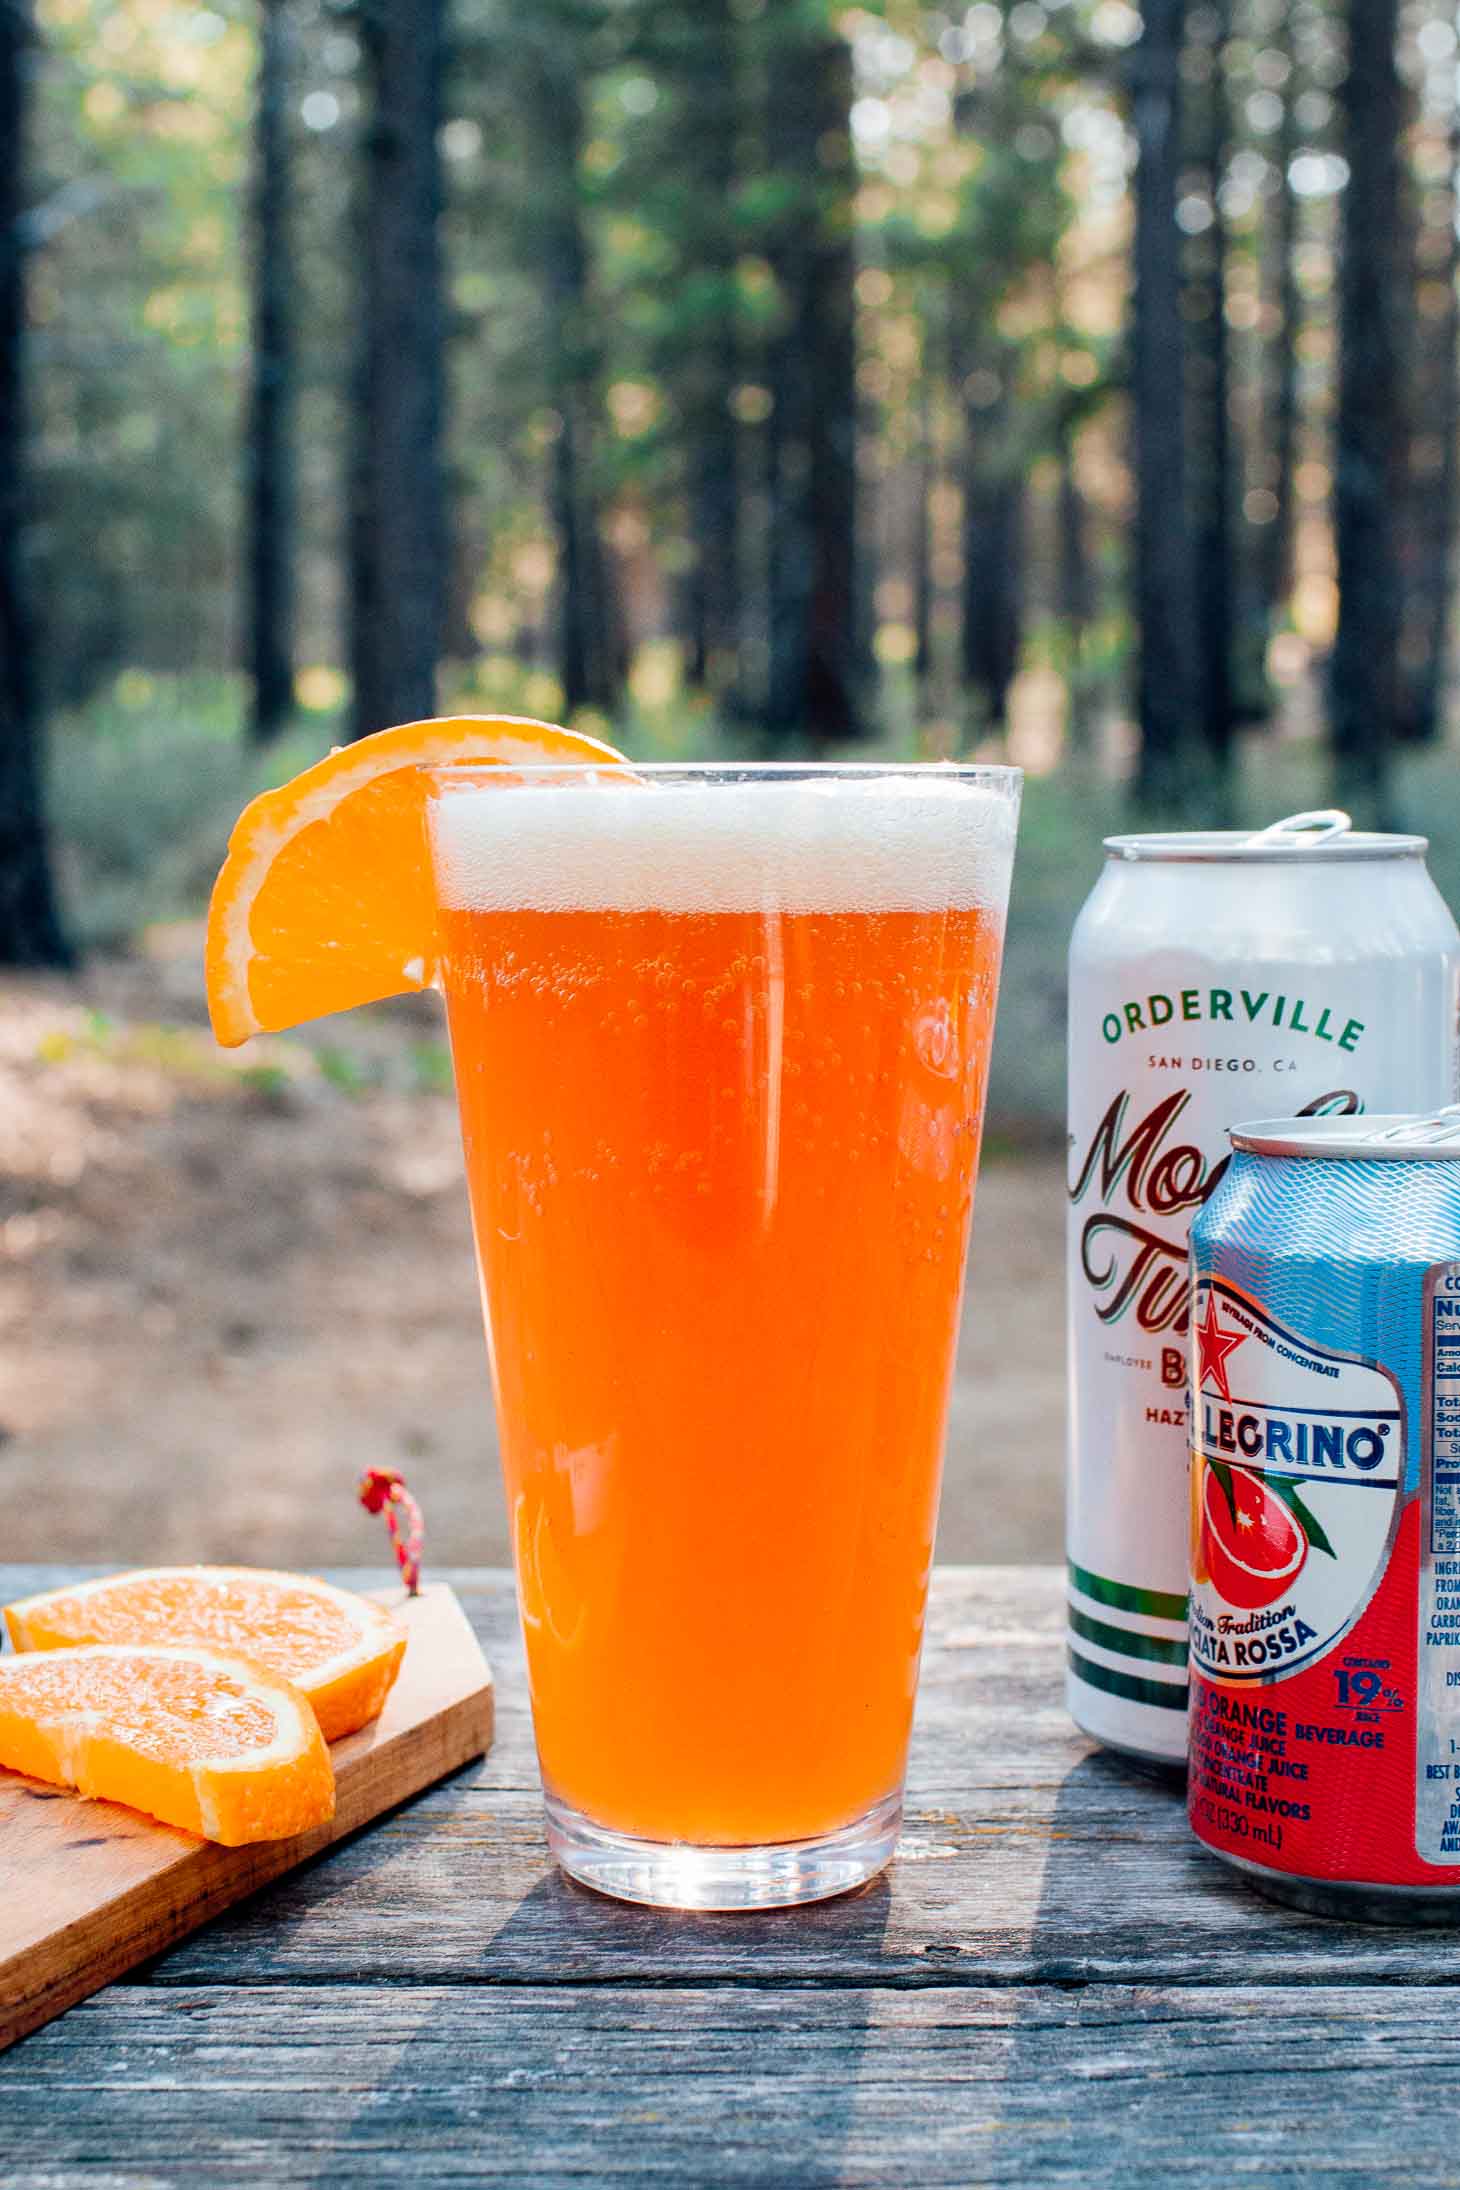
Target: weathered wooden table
(1051,1986)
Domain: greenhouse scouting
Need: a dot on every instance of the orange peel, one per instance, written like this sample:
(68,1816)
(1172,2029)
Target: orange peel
(195,1738)
(325,899)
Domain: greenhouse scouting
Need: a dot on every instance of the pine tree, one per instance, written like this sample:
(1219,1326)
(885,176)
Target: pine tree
(1280,431)
(1013,212)
(1074,590)
(1165,634)
(30,928)
(398,554)
(993,539)
(1363,699)
(269,453)
(814,690)
(926,475)
(552,62)
(984,368)
(1212,482)
(1435,450)
(706,66)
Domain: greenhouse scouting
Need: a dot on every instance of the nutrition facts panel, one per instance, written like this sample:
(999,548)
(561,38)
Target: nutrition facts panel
(1442,1504)
(1437,1759)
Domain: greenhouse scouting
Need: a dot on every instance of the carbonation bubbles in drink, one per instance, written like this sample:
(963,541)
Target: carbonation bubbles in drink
(1310,968)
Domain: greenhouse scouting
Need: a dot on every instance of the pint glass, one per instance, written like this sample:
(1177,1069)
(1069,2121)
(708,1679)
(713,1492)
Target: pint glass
(721,1039)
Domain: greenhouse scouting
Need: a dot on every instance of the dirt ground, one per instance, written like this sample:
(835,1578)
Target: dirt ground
(226,1286)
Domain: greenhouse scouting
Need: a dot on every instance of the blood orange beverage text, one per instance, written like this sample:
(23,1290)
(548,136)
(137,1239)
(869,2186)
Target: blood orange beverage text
(721,1051)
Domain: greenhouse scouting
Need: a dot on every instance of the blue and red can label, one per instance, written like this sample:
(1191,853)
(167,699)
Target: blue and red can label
(1325,1598)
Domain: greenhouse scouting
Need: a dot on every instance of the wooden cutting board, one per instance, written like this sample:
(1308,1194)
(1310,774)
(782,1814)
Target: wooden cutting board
(89,1889)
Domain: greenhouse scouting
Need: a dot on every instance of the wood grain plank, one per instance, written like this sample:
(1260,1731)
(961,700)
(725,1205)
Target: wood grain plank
(1135,2085)
(460,1889)
(1053,1986)
(1029,1856)
(92,1888)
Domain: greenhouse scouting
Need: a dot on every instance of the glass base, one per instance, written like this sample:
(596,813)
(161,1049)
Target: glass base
(672,1874)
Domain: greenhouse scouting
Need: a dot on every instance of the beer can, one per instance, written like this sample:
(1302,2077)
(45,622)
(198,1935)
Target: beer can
(1213,977)
(1325,1512)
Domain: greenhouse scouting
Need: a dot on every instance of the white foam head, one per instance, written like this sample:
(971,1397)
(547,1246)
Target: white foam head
(880,843)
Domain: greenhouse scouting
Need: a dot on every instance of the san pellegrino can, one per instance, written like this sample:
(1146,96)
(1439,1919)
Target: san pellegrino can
(1213,977)
(1325,1508)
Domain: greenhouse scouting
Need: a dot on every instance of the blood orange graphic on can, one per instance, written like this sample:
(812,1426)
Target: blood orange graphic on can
(1298,1453)
(1252,1545)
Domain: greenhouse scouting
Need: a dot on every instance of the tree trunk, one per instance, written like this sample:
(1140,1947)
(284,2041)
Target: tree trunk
(1436,483)
(922,556)
(1281,435)
(692,617)
(715,577)
(1447,481)
(1364,682)
(1074,579)
(30,928)
(990,462)
(1074,587)
(467,550)
(788,541)
(1212,516)
(1165,625)
(586,651)
(813,691)
(711,114)
(993,535)
(398,552)
(581,667)
(269,447)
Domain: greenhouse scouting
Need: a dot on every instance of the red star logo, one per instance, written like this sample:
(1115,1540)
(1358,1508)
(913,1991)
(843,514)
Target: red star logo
(1213,1346)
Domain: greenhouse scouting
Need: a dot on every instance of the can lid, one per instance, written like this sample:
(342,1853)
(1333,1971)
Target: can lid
(1325,833)
(1427,1136)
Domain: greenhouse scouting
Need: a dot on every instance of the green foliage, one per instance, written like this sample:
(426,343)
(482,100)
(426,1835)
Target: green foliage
(430,1064)
(344,1072)
(145,785)
(144,801)
(142,143)
(1064,818)
(991,278)
(137,311)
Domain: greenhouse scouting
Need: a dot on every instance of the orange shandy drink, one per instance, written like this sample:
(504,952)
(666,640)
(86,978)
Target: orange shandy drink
(720,1053)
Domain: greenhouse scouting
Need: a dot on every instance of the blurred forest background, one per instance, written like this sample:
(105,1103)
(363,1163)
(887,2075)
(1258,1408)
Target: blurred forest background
(1063,381)
(1042,377)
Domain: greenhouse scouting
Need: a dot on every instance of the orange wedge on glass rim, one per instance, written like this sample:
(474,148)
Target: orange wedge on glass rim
(340,1651)
(325,899)
(193,1737)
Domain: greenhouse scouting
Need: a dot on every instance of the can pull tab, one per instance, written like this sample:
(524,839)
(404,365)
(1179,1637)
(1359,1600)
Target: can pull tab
(1303,830)
(1434,1127)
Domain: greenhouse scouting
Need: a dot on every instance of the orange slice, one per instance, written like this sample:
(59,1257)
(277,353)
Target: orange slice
(192,1737)
(340,1651)
(325,898)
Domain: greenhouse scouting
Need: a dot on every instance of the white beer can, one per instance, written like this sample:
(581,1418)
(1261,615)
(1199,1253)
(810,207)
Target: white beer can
(1213,977)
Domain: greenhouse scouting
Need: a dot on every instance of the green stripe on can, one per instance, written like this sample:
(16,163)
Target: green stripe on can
(1166,1695)
(1157,1604)
(1125,1641)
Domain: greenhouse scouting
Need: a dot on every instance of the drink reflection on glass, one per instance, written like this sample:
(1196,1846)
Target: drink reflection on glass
(721,1039)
